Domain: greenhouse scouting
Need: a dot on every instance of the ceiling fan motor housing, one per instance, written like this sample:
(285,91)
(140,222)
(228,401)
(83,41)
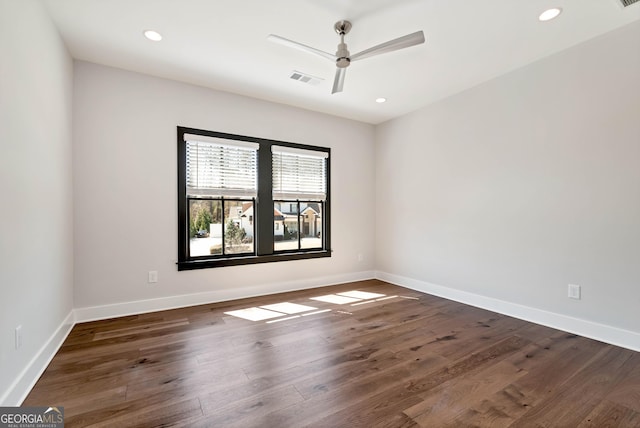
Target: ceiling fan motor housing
(343,56)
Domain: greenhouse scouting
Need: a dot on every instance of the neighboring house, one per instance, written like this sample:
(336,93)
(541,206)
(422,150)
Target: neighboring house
(278,225)
(310,218)
(245,221)
(285,219)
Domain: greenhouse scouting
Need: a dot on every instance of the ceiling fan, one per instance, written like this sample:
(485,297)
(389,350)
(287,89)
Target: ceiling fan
(343,58)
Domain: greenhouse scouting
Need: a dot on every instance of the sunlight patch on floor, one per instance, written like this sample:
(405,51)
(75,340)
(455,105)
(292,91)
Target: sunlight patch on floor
(275,310)
(335,299)
(278,311)
(363,295)
(288,308)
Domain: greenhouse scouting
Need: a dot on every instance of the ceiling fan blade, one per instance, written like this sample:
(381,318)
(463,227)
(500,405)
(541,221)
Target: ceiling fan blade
(338,82)
(390,46)
(300,46)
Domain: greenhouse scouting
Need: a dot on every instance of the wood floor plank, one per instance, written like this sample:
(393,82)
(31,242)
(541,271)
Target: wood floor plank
(126,331)
(331,398)
(546,364)
(191,380)
(77,404)
(289,356)
(444,405)
(250,411)
(627,391)
(608,414)
(170,410)
(408,361)
(398,397)
(585,390)
(397,420)
(367,365)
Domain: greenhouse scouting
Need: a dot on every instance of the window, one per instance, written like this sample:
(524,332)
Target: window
(299,192)
(245,200)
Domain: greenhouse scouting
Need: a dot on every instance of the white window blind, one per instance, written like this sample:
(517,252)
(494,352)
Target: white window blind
(220,167)
(299,174)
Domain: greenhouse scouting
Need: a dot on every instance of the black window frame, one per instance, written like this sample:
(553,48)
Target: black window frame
(263,209)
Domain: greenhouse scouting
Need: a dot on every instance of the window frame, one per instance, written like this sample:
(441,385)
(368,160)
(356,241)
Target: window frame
(263,218)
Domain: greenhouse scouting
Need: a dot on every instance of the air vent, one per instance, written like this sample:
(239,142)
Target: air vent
(305,78)
(626,3)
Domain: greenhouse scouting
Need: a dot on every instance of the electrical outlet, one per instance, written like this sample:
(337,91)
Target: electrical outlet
(18,337)
(360,257)
(153,276)
(574,291)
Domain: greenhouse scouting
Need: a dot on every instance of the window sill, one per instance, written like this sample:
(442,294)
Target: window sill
(250,260)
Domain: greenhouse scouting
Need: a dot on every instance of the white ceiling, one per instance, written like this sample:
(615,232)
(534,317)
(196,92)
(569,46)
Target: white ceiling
(222,44)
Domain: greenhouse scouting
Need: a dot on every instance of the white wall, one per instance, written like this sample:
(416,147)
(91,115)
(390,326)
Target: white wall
(36,229)
(126,199)
(523,185)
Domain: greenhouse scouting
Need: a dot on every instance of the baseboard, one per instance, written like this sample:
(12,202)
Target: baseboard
(18,391)
(94,313)
(604,333)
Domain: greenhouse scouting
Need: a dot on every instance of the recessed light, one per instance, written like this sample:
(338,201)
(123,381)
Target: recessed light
(550,14)
(381,100)
(152,35)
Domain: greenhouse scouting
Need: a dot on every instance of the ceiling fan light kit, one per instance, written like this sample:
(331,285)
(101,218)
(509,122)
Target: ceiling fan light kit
(343,58)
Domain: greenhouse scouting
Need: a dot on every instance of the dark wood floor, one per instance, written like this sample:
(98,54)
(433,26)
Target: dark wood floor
(412,360)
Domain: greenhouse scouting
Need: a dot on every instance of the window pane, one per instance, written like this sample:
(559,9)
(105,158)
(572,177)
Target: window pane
(205,227)
(238,229)
(285,227)
(311,224)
